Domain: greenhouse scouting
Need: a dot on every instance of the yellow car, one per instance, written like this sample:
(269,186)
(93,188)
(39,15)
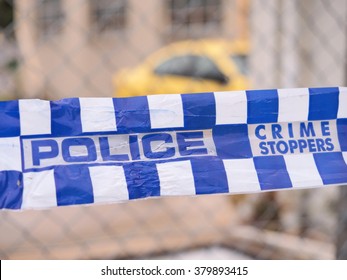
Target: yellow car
(187,67)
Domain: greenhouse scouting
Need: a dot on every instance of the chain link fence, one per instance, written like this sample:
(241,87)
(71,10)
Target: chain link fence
(53,49)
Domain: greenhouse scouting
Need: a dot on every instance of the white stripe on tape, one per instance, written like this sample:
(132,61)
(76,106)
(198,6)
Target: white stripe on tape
(109,183)
(10,153)
(344,154)
(231,107)
(35,117)
(302,170)
(342,113)
(166,110)
(176,178)
(293,104)
(242,176)
(97,114)
(39,190)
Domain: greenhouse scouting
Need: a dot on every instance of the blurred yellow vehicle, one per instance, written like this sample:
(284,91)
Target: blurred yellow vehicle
(187,67)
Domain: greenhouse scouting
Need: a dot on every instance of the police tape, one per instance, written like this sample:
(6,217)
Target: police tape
(100,150)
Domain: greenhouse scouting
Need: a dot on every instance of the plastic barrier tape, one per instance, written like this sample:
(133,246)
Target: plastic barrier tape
(99,150)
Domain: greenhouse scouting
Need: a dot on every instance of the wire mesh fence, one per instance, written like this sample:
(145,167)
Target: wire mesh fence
(53,49)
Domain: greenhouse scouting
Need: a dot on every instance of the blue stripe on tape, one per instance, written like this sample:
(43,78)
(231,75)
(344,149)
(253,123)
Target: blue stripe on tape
(132,114)
(73,184)
(342,133)
(65,117)
(262,106)
(272,172)
(232,141)
(209,176)
(199,111)
(142,179)
(9,119)
(331,167)
(323,104)
(11,189)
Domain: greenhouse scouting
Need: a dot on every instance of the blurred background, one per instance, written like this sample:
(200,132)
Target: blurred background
(52,49)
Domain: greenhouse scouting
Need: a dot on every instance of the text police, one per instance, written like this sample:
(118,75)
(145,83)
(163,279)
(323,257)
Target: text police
(116,148)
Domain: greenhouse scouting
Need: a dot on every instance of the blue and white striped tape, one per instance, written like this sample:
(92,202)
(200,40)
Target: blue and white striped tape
(100,150)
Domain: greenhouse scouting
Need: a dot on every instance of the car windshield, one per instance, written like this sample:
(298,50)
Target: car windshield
(193,66)
(241,62)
